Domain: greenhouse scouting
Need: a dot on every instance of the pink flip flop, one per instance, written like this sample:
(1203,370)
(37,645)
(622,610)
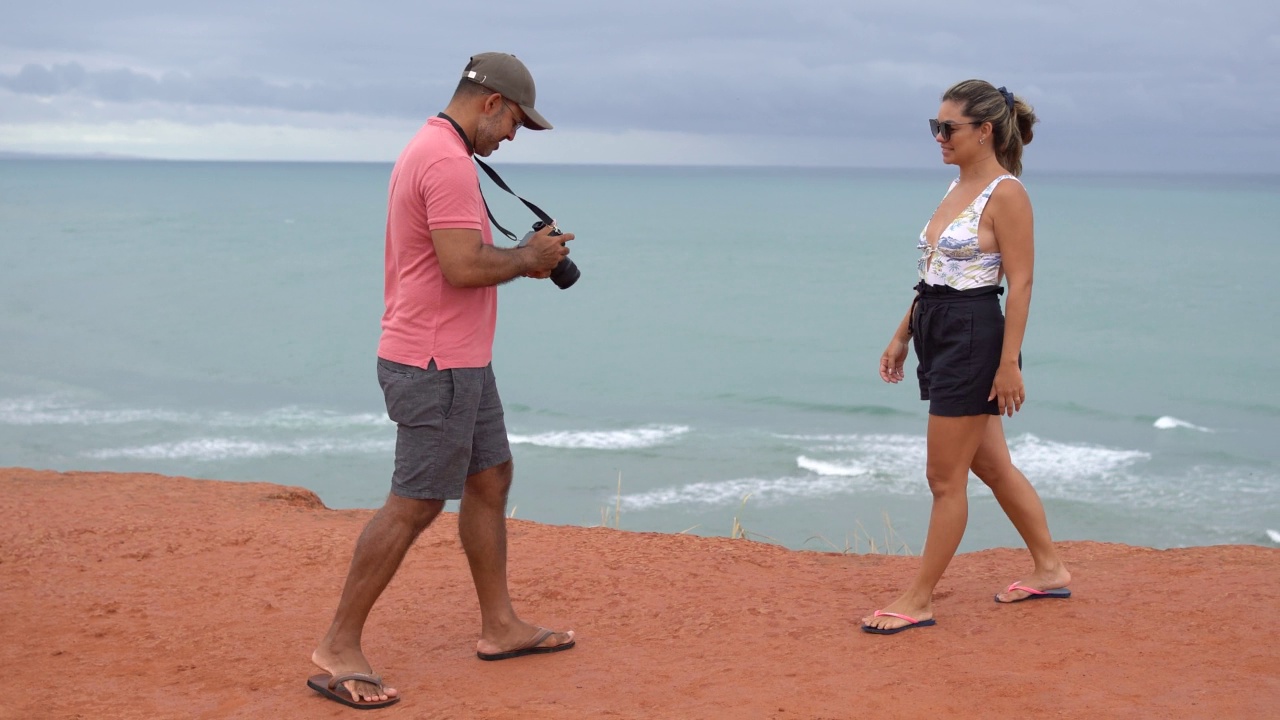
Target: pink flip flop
(889,631)
(1034,594)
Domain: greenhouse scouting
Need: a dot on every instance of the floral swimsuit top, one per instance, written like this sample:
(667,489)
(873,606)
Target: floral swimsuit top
(957,261)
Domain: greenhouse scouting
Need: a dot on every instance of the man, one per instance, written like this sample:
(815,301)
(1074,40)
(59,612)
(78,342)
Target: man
(434,356)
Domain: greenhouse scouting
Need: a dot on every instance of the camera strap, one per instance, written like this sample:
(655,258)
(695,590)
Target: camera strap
(497,180)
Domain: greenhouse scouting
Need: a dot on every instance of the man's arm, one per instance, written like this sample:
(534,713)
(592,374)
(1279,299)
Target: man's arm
(467,261)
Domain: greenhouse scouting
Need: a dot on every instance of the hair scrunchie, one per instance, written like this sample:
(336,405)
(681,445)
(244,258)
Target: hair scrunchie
(1008,97)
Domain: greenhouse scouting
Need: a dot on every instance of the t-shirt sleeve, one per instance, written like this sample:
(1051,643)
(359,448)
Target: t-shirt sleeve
(451,194)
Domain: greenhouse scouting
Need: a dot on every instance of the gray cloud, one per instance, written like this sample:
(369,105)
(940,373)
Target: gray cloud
(1123,85)
(123,85)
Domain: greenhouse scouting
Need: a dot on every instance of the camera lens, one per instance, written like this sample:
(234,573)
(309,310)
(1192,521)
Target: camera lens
(565,274)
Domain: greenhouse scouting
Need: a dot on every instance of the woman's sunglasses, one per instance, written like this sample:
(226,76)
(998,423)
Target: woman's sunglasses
(945,128)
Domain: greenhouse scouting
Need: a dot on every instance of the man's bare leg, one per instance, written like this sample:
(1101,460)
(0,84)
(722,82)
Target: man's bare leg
(379,551)
(482,525)
(952,442)
(1021,503)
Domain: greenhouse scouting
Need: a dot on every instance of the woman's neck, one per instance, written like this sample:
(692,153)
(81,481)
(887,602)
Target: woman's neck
(982,169)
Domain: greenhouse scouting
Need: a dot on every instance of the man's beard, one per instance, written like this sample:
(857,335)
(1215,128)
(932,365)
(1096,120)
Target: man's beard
(488,136)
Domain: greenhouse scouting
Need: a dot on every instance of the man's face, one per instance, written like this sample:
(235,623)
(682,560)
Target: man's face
(500,123)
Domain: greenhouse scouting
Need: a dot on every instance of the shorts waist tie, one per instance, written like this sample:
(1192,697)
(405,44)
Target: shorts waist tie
(928,297)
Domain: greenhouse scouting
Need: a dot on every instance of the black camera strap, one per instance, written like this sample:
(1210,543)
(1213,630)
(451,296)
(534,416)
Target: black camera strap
(493,175)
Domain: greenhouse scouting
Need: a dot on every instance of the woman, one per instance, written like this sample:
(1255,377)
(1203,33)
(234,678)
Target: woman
(969,354)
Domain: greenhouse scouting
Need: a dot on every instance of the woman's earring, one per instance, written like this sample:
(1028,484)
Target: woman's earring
(982,141)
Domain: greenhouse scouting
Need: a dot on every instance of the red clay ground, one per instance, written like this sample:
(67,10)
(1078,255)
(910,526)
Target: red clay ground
(142,596)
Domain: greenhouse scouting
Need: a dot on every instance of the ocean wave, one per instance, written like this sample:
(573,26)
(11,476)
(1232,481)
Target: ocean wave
(244,448)
(633,439)
(831,468)
(300,418)
(56,411)
(731,492)
(1275,536)
(214,449)
(1167,422)
(906,454)
(1068,462)
(847,464)
(834,408)
(63,411)
(855,455)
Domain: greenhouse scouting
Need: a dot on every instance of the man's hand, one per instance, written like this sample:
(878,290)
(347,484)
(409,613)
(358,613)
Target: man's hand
(466,261)
(545,251)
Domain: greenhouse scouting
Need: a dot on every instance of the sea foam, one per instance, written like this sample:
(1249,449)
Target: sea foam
(59,411)
(633,439)
(731,492)
(56,410)
(831,468)
(215,449)
(848,464)
(1172,423)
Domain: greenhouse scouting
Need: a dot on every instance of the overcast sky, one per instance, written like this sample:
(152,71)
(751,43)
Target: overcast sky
(1183,85)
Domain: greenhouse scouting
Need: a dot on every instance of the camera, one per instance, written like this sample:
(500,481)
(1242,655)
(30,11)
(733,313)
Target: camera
(565,273)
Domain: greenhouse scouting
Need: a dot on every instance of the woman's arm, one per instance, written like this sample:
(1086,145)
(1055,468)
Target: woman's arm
(895,356)
(1014,229)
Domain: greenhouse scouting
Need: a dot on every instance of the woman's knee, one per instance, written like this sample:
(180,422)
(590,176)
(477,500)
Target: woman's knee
(993,475)
(985,472)
(947,482)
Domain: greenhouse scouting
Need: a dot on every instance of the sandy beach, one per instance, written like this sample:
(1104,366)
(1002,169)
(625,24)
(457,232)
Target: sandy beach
(145,596)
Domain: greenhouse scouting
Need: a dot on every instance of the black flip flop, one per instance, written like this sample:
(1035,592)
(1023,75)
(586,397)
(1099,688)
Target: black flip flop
(331,687)
(530,648)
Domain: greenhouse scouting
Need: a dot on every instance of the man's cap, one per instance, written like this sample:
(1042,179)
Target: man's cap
(506,75)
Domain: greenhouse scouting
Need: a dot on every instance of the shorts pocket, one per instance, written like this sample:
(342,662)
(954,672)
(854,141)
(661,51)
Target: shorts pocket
(395,368)
(416,397)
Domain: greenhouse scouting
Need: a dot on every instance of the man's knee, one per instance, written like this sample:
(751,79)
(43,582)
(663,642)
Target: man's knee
(493,483)
(416,513)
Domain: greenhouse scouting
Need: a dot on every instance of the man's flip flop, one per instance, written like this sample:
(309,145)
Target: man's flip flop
(531,648)
(1055,594)
(331,687)
(889,631)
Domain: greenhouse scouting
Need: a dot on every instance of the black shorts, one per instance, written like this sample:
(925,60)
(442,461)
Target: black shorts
(958,337)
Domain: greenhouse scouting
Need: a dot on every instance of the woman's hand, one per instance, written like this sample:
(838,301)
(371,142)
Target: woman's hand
(892,360)
(1007,390)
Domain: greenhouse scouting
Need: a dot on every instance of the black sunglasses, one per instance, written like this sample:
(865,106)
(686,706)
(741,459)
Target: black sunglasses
(946,128)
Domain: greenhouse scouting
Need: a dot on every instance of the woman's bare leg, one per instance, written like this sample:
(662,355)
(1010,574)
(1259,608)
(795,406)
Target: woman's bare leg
(1021,502)
(952,442)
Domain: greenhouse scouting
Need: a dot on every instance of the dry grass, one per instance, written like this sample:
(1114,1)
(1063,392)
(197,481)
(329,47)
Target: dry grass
(741,533)
(616,517)
(889,544)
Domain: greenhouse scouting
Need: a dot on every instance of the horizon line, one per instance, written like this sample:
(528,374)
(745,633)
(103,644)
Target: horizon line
(115,157)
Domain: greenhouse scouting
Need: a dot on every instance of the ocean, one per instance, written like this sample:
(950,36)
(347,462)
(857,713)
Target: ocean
(713,372)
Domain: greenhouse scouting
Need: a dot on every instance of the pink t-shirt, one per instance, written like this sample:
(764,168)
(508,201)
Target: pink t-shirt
(434,186)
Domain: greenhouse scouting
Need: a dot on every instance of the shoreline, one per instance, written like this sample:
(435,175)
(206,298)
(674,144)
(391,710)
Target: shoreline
(140,595)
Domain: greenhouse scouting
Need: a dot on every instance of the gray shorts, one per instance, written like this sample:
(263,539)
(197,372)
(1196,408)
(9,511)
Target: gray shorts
(449,424)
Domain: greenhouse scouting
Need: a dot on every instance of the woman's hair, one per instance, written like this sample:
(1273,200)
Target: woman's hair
(1010,116)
